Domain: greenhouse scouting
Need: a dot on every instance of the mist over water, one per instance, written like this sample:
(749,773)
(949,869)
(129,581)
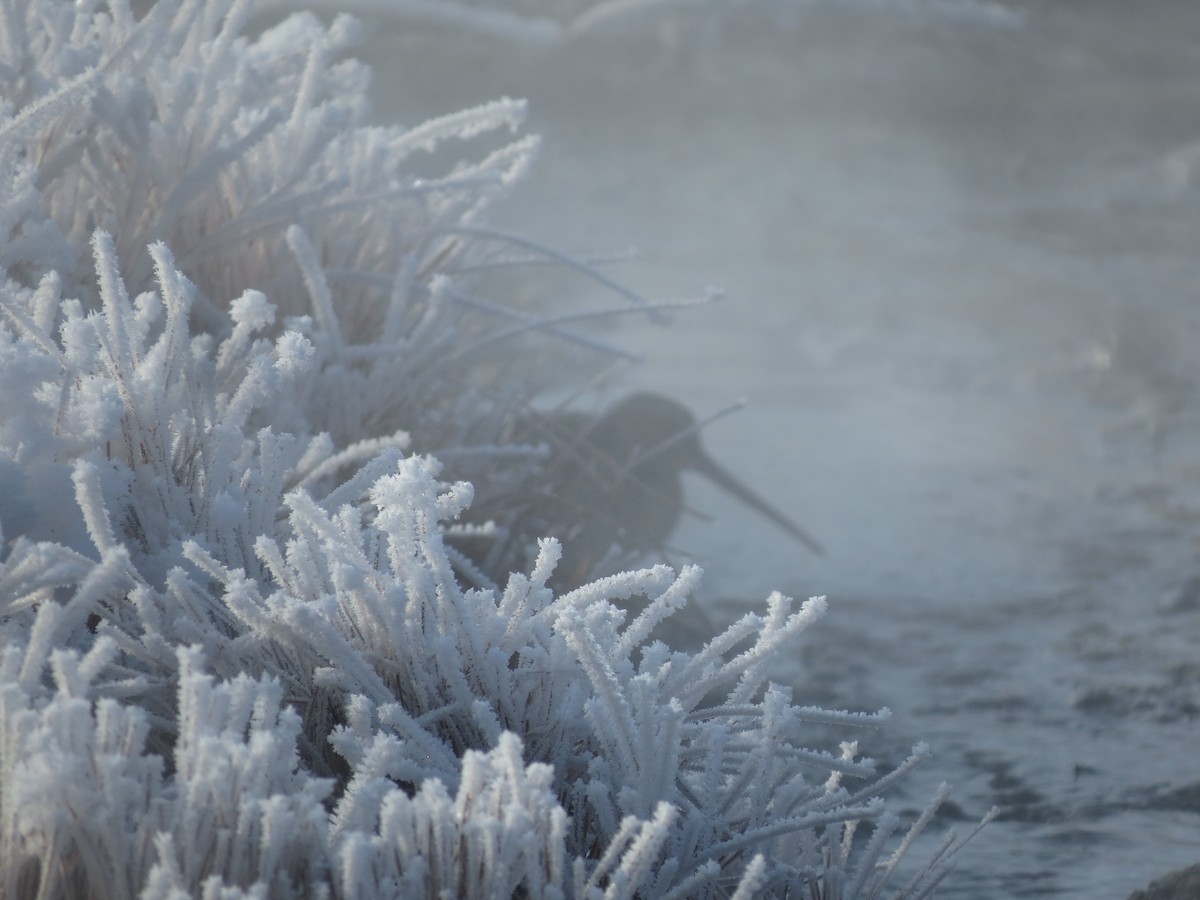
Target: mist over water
(960,267)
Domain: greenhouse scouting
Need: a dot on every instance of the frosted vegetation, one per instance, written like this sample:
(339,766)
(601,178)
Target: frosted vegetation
(239,658)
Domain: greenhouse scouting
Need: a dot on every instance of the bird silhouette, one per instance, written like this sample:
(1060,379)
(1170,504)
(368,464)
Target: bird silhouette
(611,489)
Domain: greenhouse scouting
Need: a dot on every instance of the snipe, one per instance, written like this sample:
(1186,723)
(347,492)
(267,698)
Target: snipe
(612,487)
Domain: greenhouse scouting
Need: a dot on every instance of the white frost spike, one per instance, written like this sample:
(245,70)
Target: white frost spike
(466,124)
(90,497)
(318,289)
(251,314)
(752,879)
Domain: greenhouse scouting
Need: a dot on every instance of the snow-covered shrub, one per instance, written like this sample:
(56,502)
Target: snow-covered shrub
(236,657)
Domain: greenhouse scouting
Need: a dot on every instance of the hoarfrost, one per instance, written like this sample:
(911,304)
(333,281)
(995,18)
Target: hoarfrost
(236,655)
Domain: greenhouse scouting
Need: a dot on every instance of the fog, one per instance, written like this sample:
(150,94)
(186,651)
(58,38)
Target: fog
(957,245)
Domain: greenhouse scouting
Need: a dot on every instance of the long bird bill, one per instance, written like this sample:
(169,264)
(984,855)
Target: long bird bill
(721,477)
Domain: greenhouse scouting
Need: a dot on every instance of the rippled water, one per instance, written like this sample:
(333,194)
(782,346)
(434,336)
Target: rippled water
(960,262)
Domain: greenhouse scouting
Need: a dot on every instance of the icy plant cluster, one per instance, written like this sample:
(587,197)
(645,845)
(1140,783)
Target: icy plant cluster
(237,658)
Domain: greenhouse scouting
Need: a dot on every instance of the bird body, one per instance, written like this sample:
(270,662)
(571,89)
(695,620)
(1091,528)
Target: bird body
(612,487)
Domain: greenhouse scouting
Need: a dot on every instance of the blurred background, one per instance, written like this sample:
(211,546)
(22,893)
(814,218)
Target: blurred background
(958,247)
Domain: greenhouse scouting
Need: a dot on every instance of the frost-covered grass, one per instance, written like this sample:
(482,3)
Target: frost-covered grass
(238,658)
